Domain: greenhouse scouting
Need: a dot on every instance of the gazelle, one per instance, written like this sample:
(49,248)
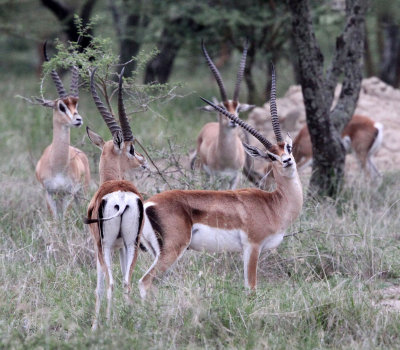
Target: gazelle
(62,168)
(219,148)
(361,134)
(247,220)
(115,213)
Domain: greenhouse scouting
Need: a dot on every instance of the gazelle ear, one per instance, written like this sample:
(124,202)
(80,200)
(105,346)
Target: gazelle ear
(96,139)
(46,103)
(289,140)
(253,151)
(207,109)
(245,107)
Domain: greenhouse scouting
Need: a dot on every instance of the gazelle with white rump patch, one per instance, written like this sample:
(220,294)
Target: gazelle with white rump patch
(361,134)
(115,213)
(62,169)
(219,148)
(246,220)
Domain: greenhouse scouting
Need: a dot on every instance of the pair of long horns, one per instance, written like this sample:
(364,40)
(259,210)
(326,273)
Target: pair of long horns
(218,77)
(57,81)
(274,117)
(112,124)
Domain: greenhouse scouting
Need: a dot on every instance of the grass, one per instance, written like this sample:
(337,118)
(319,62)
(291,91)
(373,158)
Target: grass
(322,288)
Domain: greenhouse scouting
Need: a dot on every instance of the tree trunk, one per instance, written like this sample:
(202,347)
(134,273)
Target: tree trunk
(159,68)
(325,127)
(251,86)
(66,16)
(129,30)
(390,60)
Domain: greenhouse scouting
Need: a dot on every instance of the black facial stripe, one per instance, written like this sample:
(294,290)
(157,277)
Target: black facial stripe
(62,107)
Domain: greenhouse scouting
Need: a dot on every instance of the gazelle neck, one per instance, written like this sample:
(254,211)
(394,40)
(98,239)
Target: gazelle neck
(290,193)
(59,155)
(108,173)
(227,139)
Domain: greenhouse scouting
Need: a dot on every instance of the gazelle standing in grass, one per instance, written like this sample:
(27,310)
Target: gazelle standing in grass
(247,220)
(361,134)
(219,148)
(115,213)
(62,169)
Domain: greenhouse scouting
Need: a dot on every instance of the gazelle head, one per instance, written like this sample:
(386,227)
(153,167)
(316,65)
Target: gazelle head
(232,106)
(119,158)
(65,108)
(279,154)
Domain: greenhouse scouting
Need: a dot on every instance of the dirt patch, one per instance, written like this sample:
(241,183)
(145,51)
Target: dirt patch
(378,101)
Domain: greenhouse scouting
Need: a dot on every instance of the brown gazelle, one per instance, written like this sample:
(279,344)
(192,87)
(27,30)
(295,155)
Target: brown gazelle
(219,149)
(247,220)
(361,134)
(63,169)
(115,213)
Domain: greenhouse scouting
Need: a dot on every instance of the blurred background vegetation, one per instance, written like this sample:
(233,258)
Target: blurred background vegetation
(176,28)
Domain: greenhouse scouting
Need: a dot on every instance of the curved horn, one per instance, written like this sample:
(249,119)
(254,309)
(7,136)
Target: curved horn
(107,116)
(241,123)
(274,112)
(57,81)
(215,71)
(123,120)
(74,82)
(240,72)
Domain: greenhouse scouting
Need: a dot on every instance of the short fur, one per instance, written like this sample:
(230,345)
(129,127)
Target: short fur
(252,215)
(63,169)
(364,134)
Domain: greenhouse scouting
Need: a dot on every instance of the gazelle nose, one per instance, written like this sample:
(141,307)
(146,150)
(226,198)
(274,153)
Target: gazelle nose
(78,118)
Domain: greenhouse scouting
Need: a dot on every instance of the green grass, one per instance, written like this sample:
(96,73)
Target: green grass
(320,289)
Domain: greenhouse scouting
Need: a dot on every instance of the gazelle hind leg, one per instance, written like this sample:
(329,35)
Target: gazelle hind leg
(160,265)
(130,225)
(251,254)
(99,294)
(110,280)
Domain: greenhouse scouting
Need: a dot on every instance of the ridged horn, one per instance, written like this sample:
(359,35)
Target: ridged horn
(240,72)
(241,123)
(123,120)
(215,71)
(74,82)
(274,112)
(105,113)
(57,81)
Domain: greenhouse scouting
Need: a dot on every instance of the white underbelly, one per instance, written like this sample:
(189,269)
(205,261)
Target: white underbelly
(272,241)
(60,182)
(213,239)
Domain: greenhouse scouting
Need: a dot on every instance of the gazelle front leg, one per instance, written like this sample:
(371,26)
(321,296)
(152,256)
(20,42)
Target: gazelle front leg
(251,254)
(234,182)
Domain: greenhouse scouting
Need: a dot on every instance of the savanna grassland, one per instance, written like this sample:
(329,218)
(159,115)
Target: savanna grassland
(332,283)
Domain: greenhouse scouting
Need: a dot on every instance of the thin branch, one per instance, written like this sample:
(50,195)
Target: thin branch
(155,166)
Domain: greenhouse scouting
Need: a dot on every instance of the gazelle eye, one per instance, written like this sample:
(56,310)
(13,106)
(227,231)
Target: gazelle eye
(289,149)
(62,108)
(132,150)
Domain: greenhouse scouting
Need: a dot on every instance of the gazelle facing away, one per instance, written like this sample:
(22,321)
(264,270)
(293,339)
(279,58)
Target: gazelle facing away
(62,169)
(115,213)
(246,220)
(219,148)
(361,134)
